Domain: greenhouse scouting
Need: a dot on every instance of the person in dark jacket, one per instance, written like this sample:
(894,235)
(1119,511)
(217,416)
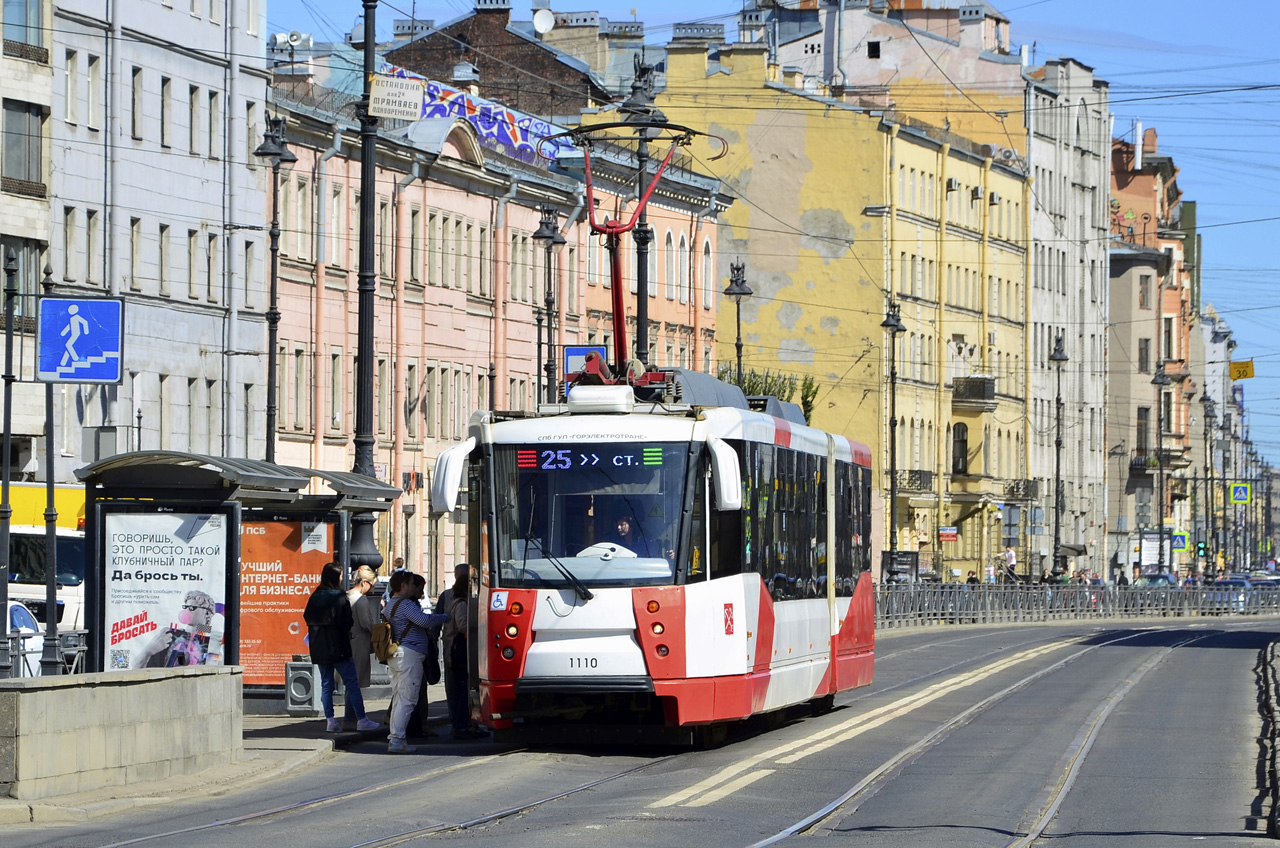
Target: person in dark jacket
(329,622)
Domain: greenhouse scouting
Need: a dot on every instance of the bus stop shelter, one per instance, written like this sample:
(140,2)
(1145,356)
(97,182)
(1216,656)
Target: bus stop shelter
(205,560)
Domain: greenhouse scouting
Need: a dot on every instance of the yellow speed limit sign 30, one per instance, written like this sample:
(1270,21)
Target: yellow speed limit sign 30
(1242,370)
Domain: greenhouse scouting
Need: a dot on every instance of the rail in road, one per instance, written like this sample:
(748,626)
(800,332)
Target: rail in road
(1073,734)
(916,604)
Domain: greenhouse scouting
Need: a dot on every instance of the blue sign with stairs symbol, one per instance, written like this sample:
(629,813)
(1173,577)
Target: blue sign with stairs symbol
(79,340)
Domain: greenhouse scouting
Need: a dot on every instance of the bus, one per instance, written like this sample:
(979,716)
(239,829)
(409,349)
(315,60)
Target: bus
(660,558)
(27,558)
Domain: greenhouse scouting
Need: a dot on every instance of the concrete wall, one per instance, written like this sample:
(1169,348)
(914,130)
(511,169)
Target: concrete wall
(61,735)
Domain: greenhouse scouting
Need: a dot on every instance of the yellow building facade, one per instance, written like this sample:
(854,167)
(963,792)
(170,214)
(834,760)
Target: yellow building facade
(838,212)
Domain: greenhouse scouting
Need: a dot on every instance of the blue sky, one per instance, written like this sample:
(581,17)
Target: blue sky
(1184,67)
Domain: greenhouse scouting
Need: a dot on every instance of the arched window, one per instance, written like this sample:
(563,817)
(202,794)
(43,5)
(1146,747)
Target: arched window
(708,275)
(682,268)
(669,255)
(960,449)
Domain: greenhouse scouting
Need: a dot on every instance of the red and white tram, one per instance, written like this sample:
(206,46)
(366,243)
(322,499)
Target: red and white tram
(662,558)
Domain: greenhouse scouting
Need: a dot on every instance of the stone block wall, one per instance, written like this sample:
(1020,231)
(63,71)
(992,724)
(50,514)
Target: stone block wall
(61,735)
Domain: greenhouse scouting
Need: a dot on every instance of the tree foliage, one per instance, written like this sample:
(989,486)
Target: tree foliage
(782,386)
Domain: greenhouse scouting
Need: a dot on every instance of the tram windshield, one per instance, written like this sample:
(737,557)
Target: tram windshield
(606,513)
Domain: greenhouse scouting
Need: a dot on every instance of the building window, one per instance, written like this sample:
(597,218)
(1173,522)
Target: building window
(92,246)
(23,30)
(337,238)
(135,250)
(960,449)
(252,135)
(23,168)
(250,273)
(415,243)
(1144,356)
(70,87)
(95,93)
(669,257)
(162,259)
(1167,335)
(193,262)
(193,120)
(29,255)
(135,103)
(1142,430)
(411,401)
(211,271)
(166,110)
(873,50)
(335,389)
(215,125)
(69,246)
(382,386)
(385,267)
(1144,291)
(300,383)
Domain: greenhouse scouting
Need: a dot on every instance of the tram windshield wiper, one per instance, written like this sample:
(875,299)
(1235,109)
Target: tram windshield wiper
(579,588)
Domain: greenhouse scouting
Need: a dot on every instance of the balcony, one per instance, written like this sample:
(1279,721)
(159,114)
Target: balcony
(1147,461)
(1022,490)
(976,393)
(914,480)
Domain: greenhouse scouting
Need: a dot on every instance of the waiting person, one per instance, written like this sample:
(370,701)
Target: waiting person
(972,580)
(329,623)
(409,625)
(364,615)
(456,602)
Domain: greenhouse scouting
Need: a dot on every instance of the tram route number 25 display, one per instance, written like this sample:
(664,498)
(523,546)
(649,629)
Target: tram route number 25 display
(583,662)
(565,458)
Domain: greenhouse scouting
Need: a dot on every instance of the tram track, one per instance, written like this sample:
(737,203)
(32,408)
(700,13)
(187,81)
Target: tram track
(1050,799)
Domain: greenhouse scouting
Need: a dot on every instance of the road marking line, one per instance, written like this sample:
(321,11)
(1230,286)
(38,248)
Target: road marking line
(730,788)
(849,728)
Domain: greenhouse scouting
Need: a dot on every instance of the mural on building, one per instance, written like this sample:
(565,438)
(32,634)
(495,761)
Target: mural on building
(516,134)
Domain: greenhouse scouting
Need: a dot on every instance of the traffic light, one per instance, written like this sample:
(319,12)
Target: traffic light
(1202,549)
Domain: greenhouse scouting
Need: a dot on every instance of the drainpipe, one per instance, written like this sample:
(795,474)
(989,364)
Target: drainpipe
(400,248)
(502,259)
(696,253)
(844,79)
(317,293)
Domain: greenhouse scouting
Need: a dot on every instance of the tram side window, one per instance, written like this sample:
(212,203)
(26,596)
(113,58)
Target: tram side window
(730,551)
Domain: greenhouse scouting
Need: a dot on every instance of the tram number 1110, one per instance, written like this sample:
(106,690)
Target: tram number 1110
(583,662)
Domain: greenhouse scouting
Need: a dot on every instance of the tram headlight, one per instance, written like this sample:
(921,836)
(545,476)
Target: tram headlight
(658,628)
(508,652)
(513,631)
(517,608)
(662,650)
(653,606)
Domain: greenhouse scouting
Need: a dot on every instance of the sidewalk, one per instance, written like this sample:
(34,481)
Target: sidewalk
(274,746)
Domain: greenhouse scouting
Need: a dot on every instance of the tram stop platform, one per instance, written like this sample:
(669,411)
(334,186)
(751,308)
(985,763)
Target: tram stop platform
(274,746)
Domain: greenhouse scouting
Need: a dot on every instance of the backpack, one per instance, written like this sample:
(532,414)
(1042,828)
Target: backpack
(385,644)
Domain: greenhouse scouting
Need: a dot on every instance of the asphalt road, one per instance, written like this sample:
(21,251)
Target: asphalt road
(1064,735)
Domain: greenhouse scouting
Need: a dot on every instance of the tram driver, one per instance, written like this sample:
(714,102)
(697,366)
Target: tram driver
(626,531)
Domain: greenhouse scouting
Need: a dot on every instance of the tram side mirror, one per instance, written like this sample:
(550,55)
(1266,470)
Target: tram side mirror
(446,483)
(726,473)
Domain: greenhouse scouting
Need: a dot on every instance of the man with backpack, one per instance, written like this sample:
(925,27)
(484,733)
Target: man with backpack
(329,623)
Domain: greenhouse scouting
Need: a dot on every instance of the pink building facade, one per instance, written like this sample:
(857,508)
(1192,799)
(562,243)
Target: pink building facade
(461,292)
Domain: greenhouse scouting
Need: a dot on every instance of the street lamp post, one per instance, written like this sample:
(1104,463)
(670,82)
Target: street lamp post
(50,657)
(1210,531)
(363,548)
(275,149)
(738,289)
(893,323)
(1057,357)
(549,236)
(1160,380)
(10,301)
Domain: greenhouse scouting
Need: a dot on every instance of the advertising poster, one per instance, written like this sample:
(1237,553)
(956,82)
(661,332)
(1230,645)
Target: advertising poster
(280,564)
(165,589)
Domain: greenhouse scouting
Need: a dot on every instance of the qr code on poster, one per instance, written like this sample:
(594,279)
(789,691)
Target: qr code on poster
(119,658)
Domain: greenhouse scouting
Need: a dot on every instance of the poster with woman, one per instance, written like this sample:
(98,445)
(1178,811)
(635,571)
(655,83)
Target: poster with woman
(165,582)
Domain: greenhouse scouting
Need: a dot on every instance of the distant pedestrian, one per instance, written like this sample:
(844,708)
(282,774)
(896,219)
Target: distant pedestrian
(1122,580)
(456,602)
(329,623)
(1011,564)
(364,615)
(973,578)
(409,624)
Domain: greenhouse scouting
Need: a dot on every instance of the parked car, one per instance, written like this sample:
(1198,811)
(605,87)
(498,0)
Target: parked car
(29,640)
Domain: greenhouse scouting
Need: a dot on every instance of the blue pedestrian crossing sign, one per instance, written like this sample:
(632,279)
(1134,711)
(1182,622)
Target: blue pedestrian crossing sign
(1178,541)
(1241,493)
(79,340)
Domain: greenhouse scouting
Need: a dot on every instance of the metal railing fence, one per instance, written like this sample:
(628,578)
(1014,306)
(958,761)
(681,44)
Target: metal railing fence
(917,604)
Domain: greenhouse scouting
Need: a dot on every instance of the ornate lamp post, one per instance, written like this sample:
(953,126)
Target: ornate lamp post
(274,149)
(1210,530)
(549,236)
(363,548)
(1057,357)
(10,302)
(738,289)
(893,323)
(1160,380)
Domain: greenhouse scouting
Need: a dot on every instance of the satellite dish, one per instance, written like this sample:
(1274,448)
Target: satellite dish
(295,38)
(544,20)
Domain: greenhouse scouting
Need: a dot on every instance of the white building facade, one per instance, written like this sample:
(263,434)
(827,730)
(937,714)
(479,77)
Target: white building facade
(158,199)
